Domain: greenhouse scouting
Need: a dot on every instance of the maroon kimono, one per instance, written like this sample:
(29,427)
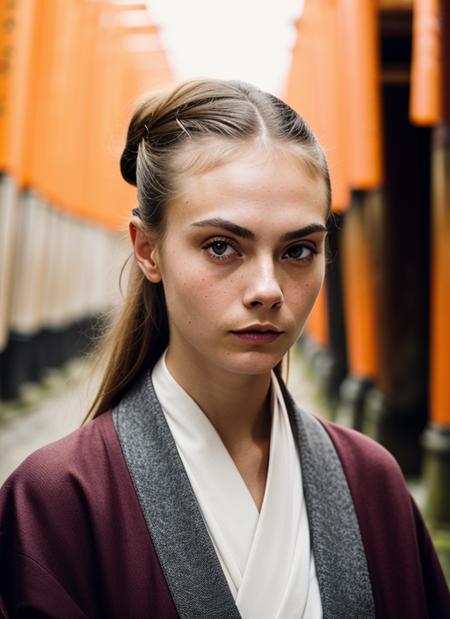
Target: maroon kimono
(104,523)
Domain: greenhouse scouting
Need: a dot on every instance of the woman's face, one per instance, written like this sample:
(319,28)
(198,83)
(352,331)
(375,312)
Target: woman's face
(242,261)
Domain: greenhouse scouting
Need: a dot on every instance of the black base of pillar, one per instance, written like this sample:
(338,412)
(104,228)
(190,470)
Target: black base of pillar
(58,346)
(17,365)
(436,474)
(27,357)
(396,428)
(352,397)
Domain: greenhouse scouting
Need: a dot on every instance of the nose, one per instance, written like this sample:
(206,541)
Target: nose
(263,288)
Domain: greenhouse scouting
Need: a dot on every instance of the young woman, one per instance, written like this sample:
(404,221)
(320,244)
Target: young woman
(198,489)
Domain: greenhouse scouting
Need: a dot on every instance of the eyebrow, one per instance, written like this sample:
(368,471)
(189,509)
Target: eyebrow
(245,233)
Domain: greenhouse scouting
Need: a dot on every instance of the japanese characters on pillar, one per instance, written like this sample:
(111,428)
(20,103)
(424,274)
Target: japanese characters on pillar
(426,99)
(8,27)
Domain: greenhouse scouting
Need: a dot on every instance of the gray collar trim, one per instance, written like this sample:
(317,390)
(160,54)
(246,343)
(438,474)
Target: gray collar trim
(174,519)
(185,550)
(339,557)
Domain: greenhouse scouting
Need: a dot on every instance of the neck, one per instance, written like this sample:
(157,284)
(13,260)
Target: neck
(238,405)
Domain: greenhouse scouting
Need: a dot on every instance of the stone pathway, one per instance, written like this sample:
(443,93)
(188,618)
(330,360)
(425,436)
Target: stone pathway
(45,413)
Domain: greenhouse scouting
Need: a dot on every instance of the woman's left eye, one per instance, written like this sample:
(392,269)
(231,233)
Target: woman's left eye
(299,252)
(220,249)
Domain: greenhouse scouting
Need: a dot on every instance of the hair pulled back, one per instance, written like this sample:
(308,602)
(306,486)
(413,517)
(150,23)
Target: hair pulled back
(163,126)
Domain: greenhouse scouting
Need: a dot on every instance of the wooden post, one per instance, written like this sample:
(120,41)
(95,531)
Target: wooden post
(436,439)
(8,203)
(360,311)
(18,29)
(360,76)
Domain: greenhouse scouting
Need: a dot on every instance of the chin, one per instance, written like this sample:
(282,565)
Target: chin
(252,363)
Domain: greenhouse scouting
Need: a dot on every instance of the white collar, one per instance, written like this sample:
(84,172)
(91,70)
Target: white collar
(266,557)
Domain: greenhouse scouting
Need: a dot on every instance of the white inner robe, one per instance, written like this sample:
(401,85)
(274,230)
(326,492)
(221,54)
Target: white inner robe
(266,556)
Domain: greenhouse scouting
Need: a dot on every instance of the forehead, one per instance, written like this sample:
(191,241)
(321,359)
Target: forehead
(257,187)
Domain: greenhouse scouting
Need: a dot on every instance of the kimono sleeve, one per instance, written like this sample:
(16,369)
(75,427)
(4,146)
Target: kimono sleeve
(34,545)
(31,591)
(48,556)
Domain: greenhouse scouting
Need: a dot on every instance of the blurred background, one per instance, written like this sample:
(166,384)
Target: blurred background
(372,78)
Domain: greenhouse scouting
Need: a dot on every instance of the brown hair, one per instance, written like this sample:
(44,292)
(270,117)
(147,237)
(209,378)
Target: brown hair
(164,126)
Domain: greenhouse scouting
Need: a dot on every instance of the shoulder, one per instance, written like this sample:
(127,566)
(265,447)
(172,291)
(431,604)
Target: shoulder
(372,473)
(68,461)
(356,447)
(67,487)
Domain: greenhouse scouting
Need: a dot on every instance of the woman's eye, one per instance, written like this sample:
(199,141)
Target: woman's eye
(220,249)
(299,252)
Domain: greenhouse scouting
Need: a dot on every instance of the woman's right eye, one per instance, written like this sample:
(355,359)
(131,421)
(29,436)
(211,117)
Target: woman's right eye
(220,249)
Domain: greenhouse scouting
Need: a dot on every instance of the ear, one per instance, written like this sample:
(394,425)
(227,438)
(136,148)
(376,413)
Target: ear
(145,250)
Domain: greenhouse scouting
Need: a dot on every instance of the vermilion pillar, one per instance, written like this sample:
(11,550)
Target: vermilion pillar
(17,35)
(362,327)
(437,436)
(8,211)
(360,77)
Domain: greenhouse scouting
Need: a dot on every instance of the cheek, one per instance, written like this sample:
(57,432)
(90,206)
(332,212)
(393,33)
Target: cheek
(194,291)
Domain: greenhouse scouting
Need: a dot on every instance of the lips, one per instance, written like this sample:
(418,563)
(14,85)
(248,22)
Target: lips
(259,328)
(258,334)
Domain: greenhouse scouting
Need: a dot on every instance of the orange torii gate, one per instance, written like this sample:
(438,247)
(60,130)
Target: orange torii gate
(430,106)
